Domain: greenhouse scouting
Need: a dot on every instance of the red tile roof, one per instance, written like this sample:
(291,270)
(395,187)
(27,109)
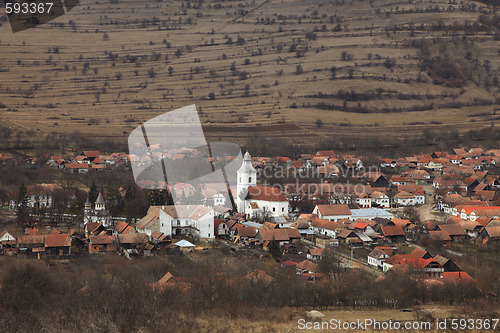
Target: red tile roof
(246,231)
(92,226)
(92,153)
(456,277)
(332,210)
(453,229)
(393,230)
(120,226)
(279,235)
(308,266)
(76,165)
(293,233)
(401,222)
(324,224)
(57,240)
(439,236)
(316,252)
(102,240)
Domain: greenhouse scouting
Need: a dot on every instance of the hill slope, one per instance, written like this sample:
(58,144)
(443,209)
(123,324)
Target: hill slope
(306,70)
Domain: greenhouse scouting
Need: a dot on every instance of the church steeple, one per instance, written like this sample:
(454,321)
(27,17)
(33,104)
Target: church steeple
(100,203)
(246,176)
(88,206)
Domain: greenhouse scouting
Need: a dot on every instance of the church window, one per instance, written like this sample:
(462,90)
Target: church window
(274,209)
(249,179)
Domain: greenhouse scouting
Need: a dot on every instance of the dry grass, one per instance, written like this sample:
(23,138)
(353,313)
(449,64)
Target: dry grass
(50,92)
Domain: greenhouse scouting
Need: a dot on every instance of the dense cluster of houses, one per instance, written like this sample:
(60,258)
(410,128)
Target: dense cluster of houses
(89,160)
(361,212)
(95,239)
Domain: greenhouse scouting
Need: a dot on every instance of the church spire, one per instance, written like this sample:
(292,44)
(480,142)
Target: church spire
(246,176)
(100,203)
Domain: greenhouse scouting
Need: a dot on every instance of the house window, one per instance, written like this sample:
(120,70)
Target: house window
(282,209)
(274,209)
(249,179)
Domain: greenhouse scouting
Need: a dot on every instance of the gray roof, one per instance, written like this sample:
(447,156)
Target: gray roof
(370,212)
(184,243)
(100,199)
(252,224)
(363,236)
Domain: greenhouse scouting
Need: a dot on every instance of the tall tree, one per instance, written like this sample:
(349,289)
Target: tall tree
(274,249)
(22,205)
(93,192)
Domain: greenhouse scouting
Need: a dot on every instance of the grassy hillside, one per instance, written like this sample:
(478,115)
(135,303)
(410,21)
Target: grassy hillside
(299,70)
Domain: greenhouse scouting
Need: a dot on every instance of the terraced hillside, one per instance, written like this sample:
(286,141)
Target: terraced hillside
(294,69)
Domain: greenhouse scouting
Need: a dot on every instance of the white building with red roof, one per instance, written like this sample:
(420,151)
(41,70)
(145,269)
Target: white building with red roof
(257,200)
(179,220)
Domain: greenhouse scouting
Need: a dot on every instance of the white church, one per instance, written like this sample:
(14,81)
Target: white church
(257,200)
(98,213)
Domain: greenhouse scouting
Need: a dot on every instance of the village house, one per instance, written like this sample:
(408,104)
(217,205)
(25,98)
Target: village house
(38,196)
(194,220)
(379,199)
(324,227)
(306,266)
(6,238)
(104,243)
(429,266)
(349,237)
(31,242)
(57,245)
(75,167)
(455,231)
(363,200)
(244,234)
(376,258)
(133,243)
(332,212)
(315,254)
(403,199)
(489,234)
(159,239)
(440,238)
(395,233)
(387,163)
(280,236)
(447,264)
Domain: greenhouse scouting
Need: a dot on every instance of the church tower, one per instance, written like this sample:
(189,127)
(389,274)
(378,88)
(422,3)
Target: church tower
(87,210)
(246,176)
(100,203)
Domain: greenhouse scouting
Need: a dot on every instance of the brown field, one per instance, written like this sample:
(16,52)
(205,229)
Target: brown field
(103,68)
